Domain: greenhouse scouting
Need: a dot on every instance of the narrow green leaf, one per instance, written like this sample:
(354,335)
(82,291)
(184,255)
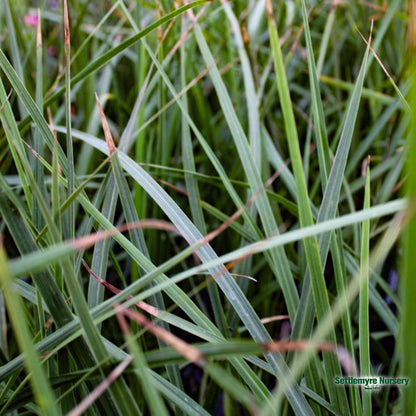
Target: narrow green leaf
(69,216)
(364,324)
(408,281)
(156,404)
(38,144)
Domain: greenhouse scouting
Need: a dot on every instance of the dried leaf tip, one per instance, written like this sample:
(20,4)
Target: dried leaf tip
(269,9)
(66,24)
(371,31)
(106,128)
(39,33)
(365,166)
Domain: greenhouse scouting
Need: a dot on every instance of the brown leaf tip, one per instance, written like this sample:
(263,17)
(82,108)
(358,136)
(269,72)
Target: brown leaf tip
(412,25)
(106,128)
(269,9)
(39,32)
(365,165)
(66,24)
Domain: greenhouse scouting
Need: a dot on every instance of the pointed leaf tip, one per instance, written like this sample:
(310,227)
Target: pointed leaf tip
(106,128)
(269,9)
(39,32)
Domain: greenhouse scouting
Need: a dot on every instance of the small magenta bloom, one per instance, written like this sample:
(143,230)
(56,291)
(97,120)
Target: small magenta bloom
(31,19)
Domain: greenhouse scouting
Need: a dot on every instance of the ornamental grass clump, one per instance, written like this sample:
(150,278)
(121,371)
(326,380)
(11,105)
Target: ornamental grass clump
(206,208)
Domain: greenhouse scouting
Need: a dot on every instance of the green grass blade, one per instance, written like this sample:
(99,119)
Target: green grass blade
(408,283)
(38,144)
(15,50)
(249,88)
(14,139)
(364,329)
(188,157)
(156,404)
(100,256)
(69,216)
(324,167)
(317,106)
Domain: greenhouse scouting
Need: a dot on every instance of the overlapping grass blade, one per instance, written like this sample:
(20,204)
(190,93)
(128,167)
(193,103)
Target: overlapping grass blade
(107,56)
(156,404)
(331,196)
(193,191)
(177,295)
(280,263)
(40,385)
(15,50)
(341,303)
(319,290)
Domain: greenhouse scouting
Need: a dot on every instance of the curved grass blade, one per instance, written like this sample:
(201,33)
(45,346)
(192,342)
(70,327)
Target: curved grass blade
(65,332)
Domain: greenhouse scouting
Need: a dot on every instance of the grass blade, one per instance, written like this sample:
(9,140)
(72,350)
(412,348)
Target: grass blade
(69,216)
(364,329)
(408,283)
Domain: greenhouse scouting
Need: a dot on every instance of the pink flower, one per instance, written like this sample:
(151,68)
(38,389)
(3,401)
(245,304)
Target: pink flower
(31,19)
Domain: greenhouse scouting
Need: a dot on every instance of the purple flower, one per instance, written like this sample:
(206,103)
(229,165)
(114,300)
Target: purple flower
(52,50)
